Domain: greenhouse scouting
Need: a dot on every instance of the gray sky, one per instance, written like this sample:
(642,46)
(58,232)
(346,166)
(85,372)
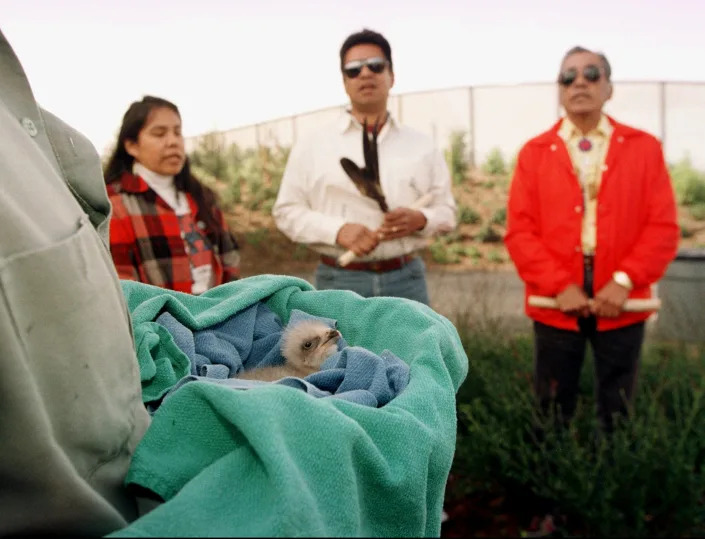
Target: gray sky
(227,63)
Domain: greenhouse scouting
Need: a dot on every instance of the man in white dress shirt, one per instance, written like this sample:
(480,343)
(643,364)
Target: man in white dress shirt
(319,205)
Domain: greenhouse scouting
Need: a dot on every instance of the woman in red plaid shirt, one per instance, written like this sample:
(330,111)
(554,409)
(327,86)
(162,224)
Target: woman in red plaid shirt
(166,228)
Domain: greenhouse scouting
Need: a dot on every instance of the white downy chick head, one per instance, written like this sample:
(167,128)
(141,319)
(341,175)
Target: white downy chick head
(309,343)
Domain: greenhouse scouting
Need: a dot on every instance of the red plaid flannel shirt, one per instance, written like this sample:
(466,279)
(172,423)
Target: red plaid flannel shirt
(146,240)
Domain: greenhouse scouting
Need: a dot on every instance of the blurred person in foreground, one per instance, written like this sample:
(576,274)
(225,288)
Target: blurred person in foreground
(72,411)
(591,222)
(166,228)
(319,205)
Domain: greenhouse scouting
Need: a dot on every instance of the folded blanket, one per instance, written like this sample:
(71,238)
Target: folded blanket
(274,461)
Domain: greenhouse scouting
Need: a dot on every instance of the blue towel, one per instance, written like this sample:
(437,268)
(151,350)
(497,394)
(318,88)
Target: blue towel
(252,337)
(247,338)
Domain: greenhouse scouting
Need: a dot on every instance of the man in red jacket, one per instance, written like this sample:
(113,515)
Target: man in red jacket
(591,222)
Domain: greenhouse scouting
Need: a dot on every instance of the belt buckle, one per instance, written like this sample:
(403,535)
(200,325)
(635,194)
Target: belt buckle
(376,265)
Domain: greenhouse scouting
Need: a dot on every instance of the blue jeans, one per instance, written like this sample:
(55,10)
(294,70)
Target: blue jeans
(407,282)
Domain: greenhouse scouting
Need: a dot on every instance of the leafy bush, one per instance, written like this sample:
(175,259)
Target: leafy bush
(697,211)
(499,217)
(647,479)
(495,163)
(686,232)
(444,253)
(473,252)
(688,183)
(457,157)
(257,236)
(467,215)
(496,257)
(251,176)
(487,234)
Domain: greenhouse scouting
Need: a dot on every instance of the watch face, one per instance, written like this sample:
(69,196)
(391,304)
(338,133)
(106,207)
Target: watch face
(622,279)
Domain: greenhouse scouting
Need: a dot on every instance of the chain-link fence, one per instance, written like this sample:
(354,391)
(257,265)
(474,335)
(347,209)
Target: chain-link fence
(504,117)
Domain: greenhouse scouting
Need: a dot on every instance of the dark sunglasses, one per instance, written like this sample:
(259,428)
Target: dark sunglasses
(354,68)
(591,73)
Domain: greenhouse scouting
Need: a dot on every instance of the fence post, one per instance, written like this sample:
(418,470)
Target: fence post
(662,107)
(471,127)
(257,139)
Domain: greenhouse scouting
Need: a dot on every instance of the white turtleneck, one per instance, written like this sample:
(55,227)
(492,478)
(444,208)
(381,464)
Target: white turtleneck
(164,187)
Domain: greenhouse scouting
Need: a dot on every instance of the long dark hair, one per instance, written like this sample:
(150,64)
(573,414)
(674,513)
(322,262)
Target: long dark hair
(120,162)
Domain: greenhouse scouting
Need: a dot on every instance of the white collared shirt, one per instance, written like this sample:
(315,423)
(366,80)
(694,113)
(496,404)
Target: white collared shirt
(317,198)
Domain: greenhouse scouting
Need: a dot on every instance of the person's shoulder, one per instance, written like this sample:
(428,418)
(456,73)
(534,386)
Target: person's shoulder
(415,140)
(633,134)
(59,131)
(412,132)
(124,185)
(321,133)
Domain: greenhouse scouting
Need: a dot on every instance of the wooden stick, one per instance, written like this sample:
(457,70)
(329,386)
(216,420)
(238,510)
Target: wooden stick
(348,256)
(631,305)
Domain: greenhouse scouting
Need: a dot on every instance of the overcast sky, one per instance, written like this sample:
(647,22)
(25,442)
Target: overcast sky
(228,63)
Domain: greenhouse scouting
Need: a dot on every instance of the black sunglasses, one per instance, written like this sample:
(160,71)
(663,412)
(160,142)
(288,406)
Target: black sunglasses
(591,73)
(354,68)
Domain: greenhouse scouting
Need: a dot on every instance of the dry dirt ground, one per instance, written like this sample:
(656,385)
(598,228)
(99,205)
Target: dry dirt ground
(266,250)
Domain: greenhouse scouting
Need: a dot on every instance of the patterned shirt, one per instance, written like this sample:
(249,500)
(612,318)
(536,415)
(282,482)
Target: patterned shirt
(151,244)
(589,164)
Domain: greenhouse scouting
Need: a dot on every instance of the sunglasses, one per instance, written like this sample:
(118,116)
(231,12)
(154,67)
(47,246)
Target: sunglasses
(354,68)
(591,73)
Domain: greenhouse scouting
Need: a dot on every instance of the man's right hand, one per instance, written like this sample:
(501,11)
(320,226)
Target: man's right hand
(573,301)
(357,238)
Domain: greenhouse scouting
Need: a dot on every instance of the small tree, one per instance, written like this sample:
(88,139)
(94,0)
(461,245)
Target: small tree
(688,182)
(457,157)
(495,164)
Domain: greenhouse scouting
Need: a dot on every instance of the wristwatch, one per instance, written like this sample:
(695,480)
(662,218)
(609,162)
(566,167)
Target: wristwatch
(622,279)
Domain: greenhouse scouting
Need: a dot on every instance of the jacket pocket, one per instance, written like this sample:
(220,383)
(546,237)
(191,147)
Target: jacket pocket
(70,319)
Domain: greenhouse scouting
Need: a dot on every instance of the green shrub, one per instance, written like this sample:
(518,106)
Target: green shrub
(499,217)
(495,163)
(688,183)
(473,252)
(457,157)
(488,234)
(260,169)
(648,479)
(496,257)
(467,215)
(443,252)
(686,232)
(697,211)
(256,237)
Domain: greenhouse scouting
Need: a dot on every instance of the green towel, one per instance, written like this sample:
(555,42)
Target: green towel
(274,461)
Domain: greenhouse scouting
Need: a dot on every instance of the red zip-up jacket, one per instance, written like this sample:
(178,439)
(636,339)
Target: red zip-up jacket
(637,229)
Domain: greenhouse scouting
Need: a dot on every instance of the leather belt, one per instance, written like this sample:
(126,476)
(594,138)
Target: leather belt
(376,266)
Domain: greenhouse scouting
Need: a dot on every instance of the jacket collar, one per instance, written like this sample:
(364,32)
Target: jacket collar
(618,130)
(348,121)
